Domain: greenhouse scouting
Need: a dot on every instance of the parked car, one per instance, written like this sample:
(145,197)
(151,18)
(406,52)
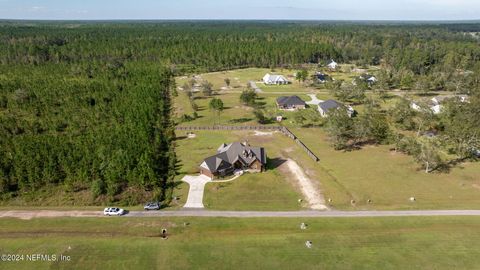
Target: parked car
(113,211)
(152,206)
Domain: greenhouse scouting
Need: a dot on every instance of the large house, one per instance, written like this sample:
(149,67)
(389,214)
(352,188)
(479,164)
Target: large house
(291,103)
(232,157)
(325,107)
(274,79)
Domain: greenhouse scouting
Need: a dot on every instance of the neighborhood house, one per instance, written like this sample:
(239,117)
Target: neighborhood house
(290,103)
(271,79)
(233,157)
(370,79)
(435,104)
(325,107)
(332,64)
(320,77)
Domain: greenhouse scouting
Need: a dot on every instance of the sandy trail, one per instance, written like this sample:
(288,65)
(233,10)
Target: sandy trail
(307,186)
(25,214)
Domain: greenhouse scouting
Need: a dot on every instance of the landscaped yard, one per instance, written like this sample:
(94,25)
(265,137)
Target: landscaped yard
(234,243)
(262,191)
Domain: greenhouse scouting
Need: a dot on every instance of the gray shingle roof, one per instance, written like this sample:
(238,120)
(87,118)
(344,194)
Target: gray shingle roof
(290,101)
(229,154)
(330,104)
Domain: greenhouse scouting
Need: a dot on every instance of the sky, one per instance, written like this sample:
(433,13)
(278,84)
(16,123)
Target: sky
(240,9)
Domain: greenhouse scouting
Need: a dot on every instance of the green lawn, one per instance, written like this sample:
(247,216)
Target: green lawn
(263,191)
(254,243)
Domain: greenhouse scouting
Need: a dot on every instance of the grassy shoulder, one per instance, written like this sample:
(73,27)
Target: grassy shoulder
(253,243)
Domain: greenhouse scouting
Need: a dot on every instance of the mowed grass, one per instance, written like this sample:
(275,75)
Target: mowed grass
(389,179)
(250,243)
(270,190)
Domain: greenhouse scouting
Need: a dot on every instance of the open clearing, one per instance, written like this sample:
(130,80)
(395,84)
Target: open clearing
(250,243)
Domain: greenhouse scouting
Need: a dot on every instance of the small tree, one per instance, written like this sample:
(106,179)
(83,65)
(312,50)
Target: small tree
(186,87)
(216,105)
(227,82)
(340,128)
(248,97)
(402,114)
(302,75)
(260,116)
(207,88)
(429,155)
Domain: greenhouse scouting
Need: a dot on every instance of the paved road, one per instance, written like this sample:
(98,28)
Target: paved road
(311,213)
(190,212)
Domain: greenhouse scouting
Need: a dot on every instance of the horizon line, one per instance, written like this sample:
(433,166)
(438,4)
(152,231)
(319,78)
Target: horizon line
(243,20)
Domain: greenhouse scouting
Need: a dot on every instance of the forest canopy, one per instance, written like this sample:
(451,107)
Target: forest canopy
(86,105)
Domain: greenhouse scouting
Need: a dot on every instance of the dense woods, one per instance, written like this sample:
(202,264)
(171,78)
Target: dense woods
(86,106)
(107,131)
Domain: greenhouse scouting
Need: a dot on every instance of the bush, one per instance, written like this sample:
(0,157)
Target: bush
(98,188)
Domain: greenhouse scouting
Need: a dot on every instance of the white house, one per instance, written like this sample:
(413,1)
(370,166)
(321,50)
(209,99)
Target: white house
(415,106)
(372,79)
(332,64)
(275,79)
(434,107)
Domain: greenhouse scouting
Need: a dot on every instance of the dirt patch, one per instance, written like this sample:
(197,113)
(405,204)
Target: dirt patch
(261,133)
(306,185)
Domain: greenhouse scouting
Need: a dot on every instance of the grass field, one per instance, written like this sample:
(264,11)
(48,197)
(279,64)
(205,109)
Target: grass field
(389,179)
(232,243)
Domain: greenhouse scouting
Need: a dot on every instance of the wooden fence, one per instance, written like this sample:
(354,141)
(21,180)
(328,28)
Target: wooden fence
(284,131)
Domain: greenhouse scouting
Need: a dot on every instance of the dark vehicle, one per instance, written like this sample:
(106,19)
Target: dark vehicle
(152,206)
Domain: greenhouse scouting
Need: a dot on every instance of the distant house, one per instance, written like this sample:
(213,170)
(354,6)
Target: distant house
(290,103)
(435,108)
(271,79)
(332,64)
(436,103)
(415,106)
(370,79)
(327,106)
(232,157)
(321,78)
